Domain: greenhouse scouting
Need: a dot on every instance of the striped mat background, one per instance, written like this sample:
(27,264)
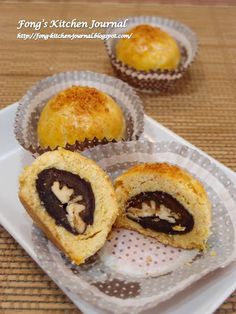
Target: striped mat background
(202,108)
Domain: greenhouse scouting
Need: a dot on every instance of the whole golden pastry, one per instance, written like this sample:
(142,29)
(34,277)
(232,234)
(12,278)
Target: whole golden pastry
(149,48)
(77,113)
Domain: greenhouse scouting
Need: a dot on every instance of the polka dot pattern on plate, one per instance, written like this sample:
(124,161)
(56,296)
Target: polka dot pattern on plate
(129,252)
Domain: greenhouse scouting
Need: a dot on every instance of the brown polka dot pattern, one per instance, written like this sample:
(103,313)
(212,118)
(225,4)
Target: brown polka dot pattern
(119,288)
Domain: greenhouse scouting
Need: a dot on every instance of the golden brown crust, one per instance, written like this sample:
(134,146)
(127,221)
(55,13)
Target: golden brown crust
(169,171)
(176,182)
(77,113)
(148,32)
(149,48)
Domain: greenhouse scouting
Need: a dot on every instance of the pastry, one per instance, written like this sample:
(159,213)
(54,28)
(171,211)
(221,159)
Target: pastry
(71,199)
(149,48)
(164,202)
(77,113)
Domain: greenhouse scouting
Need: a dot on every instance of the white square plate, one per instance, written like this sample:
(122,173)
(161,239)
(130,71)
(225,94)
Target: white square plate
(202,297)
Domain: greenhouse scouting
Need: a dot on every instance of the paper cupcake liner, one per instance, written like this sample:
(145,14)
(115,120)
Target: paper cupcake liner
(31,105)
(156,80)
(132,273)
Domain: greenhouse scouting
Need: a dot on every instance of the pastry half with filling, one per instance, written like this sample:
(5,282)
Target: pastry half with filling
(165,202)
(71,199)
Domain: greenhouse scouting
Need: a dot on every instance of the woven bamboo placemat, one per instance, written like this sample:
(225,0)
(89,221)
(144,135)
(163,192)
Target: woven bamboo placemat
(202,109)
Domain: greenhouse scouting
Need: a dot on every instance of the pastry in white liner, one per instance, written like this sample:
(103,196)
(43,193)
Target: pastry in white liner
(165,202)
(152,78)
(77,113)
(124,119)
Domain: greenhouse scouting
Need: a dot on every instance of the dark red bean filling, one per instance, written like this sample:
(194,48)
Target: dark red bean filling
(52,204)
(180,222)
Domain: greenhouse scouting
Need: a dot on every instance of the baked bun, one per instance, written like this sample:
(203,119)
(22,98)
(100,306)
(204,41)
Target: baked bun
(149,48)
(77,113)
(71,199)
(164,202)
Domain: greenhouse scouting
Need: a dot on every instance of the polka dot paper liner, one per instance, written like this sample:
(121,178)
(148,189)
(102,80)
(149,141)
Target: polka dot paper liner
(130,253)
(132,273)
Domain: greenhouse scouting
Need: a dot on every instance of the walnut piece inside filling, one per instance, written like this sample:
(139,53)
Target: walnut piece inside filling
(159,211)
(73,208)
(63,194)
(76,222)
(67,198)
(150,209)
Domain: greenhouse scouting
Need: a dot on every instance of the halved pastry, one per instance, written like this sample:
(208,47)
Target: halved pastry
(165,202)
(71,199)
